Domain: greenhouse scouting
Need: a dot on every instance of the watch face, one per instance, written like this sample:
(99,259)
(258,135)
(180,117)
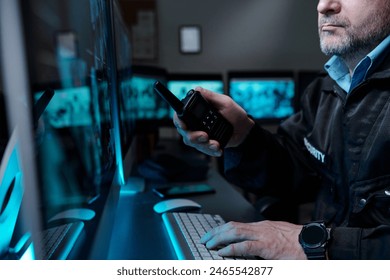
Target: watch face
(314,235)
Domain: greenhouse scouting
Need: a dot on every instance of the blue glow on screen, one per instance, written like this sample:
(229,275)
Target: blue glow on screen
(69,107)
(10,180)
(29,254)
(143,100)
(180,88)
(24,248)
(264,98)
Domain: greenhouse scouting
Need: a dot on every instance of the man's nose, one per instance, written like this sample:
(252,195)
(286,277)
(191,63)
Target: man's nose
(329,6)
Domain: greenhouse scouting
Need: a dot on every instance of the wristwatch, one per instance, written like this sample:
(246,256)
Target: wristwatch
(314,238)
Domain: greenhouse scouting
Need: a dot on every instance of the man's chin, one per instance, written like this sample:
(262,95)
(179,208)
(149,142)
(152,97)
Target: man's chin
(331,46)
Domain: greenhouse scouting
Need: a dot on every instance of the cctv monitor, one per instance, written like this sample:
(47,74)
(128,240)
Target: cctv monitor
(180,84)
(268,97)
(127,109)
(136,86)
(74,142)
(68,107)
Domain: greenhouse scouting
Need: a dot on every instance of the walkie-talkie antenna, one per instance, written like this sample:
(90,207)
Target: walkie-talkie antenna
(171,99)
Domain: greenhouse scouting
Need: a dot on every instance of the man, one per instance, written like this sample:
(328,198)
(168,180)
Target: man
(337,146)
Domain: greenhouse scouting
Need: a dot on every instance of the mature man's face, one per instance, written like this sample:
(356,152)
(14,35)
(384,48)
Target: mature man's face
(347,27)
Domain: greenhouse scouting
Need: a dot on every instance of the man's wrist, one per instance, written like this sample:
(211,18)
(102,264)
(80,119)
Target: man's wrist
(314,239)
(246,128)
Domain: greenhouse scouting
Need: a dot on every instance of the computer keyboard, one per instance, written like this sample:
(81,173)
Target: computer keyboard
(58,241)
(185,231)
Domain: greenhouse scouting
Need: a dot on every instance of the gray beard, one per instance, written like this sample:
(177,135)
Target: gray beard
(353,47)
(361,40)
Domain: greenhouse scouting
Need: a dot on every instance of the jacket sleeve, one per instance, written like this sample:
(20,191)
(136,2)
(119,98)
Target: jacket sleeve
(270,164)
(279,163)
(359,243)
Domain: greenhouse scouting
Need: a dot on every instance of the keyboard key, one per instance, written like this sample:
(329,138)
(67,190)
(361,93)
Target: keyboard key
(58,241)
(185,231)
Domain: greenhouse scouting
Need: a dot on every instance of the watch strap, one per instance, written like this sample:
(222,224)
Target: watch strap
(316,254)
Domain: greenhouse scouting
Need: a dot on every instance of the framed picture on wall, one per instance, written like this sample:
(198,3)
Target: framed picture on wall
(144,34)
(190,39)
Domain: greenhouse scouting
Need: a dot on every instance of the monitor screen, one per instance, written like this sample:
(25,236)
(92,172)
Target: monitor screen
(69,107)
(145,104)
(74,143)
(180,84)
(127,108)
(266,96)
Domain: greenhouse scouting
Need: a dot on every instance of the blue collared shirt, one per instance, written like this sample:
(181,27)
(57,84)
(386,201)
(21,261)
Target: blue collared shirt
(339,71)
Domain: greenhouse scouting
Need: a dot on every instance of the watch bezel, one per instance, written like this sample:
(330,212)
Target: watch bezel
(307,229)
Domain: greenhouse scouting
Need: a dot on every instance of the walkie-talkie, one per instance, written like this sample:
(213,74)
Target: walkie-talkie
(198,114)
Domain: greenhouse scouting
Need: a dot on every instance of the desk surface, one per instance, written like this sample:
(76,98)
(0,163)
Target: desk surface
(129,229)
(139,234)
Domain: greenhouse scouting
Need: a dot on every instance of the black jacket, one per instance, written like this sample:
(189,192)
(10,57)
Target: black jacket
(336,150)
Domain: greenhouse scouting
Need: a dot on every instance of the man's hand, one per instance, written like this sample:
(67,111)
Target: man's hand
(227,108)
(270,240)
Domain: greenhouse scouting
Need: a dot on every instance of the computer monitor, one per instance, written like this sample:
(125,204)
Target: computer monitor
(11,193)
(124,114)
(68,107)
(4,134)
(180,84)
(137,90)
(268,96)
(18,169)
(74,135)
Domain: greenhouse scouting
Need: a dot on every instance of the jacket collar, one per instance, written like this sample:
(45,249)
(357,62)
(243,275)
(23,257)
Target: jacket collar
(381,72)
(339,71)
